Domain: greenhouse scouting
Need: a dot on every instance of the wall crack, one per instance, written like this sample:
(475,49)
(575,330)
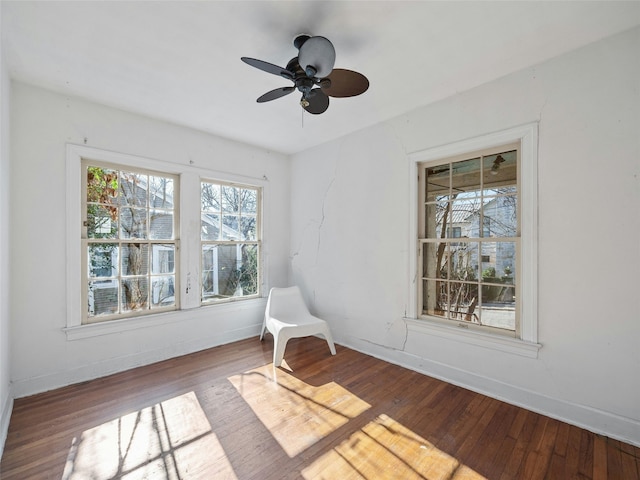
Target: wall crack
(322,218)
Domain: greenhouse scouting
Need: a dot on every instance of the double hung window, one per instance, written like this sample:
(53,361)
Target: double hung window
(129,242)
(469,240)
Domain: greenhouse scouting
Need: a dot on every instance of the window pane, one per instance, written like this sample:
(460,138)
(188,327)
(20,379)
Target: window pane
(103,260)
(436,216)
(434,295)
(230,199)
(133,189)
(135,294)
(436,182)
(135,259)
(102,185)
(249,270)
(162,291)
(465,177)
(498,294)
(500,217)
(210,197)
(209,285)
(161,225)
(133,223)
(102,297)
(229,263)
(506,261)
(464,214)
(230,228)
(434,260)
(464,261)
(500,171)
(163,258)
(229,271)
(248,228)
(102,221)
(161,192)
(498,262)
(249,200)
(499,316)
(209,271)
(463,300)
(210,227)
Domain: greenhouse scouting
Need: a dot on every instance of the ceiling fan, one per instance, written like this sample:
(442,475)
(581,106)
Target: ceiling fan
(312,74)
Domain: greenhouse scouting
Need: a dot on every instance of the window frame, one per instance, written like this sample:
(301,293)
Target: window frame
(257,241)
(86,241)
(526,341)
(483,236)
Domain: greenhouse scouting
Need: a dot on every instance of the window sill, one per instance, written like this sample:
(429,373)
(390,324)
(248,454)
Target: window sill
(471,337)
(79,332)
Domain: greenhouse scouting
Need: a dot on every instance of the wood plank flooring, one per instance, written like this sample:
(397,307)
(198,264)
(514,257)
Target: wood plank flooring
(227,413)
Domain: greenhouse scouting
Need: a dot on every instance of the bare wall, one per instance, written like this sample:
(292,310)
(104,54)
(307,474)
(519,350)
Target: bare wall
(43,123)
(6,399)
(350,224)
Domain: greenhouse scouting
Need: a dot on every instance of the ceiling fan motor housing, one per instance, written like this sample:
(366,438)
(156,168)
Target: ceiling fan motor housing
(317,57)
(304,84)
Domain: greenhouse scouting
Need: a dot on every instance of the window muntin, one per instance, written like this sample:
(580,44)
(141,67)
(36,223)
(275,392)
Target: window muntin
(230,239)
(471,277)
(129,242)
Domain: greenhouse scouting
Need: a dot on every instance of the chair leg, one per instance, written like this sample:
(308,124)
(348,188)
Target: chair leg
(279,345)
(329,339)
(264,327)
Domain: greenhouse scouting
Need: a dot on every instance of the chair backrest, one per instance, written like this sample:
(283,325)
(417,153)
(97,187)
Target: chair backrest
(286,303)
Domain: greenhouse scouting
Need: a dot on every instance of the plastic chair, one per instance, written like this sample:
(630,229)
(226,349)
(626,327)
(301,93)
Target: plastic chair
(287,316)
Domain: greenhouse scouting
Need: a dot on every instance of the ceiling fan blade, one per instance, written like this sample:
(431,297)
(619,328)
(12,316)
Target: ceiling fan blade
(277,93)
(268,67)
(318,102)
(346,83)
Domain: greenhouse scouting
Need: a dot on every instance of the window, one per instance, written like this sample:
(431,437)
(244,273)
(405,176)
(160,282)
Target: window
(230,239)
(454,232)
(470,184)
(129,242)
(474,199)
(136,233)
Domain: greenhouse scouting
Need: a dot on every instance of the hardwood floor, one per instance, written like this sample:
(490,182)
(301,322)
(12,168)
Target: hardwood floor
(226,413)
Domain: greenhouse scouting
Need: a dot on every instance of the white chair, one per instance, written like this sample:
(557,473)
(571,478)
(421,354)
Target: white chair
(287,316)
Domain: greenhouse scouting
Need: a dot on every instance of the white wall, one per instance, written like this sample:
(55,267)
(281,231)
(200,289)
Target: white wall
(42,124)
(6,399)
(350,240)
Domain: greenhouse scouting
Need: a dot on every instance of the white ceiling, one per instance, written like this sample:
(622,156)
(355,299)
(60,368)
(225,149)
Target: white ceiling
(180,61)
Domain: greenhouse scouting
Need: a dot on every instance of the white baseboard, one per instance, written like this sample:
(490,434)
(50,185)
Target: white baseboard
(31,386)
(7,408)
(592,419)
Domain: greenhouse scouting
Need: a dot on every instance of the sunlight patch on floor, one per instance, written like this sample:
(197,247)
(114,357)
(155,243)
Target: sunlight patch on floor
(385,449)
(297,414)
(169,440)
